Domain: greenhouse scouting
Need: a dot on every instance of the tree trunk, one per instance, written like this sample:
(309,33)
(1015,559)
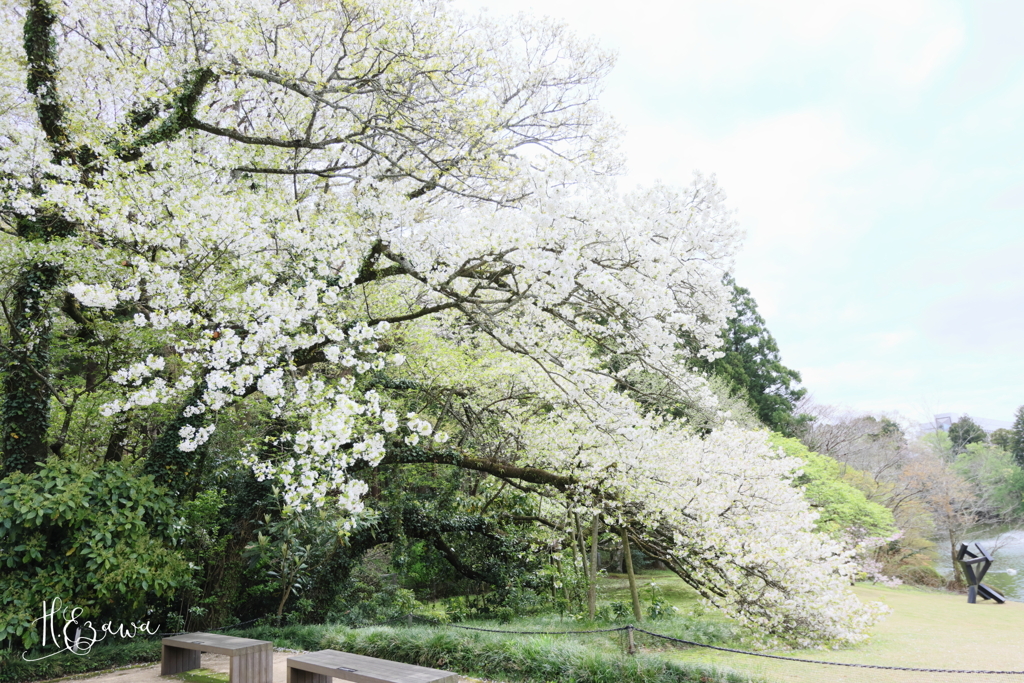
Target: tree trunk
(285,592)
(958,573)
(592,590)
(637,612)
(580,541)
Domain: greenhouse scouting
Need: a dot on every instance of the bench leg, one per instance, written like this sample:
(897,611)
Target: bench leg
(300,676)
(174,660)
(257,667)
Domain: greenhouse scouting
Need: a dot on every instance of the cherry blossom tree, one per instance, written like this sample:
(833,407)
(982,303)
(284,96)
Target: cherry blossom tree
(369,233)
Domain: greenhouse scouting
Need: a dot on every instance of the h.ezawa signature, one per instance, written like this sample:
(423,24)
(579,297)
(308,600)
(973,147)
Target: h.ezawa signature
(81,643)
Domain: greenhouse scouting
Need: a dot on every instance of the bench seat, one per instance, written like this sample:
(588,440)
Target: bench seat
(252,661)
(322,666)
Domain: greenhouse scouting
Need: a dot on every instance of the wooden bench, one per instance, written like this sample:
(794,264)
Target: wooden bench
(322,666)
(252,661)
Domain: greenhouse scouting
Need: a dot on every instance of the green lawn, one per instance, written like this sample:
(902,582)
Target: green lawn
(615,587)
(927,629)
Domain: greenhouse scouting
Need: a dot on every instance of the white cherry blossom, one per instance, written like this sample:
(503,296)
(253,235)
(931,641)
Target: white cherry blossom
(274,217)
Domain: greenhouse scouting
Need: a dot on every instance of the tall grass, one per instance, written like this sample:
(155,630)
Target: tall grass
(530,659)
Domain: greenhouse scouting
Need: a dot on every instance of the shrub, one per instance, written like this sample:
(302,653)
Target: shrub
(98,538)
(921,575)
(13,669)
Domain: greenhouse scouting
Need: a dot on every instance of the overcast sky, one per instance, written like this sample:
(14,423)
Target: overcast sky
(874,154)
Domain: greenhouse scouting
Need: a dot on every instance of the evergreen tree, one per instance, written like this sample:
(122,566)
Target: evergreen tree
(753,365)
(964,432)
(1017,445)
(1002,438)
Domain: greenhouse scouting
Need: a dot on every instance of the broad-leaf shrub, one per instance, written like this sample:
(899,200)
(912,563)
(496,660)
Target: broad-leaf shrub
(97,538)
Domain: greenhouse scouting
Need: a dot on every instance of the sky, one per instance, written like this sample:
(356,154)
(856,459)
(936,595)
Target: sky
(874,155)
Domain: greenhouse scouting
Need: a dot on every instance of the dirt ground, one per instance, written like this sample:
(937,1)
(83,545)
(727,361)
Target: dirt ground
(215,670)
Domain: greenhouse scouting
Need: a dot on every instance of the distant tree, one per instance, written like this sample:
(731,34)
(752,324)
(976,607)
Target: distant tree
(840,505)
(999,480)
(874,445)
(753,365)
(966,431)
(1017,446)
(954,502)
(1003,438)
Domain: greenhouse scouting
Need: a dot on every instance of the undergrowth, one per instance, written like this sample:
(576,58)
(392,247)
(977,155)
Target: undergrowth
(14,669)
(530,659)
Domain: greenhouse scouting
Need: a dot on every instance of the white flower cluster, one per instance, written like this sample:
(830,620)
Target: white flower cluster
(417,427)
(192,438)
(134,374)
(98,296)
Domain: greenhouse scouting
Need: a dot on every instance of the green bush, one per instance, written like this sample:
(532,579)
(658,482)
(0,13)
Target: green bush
(615,612)
(921,575)
(97,538)
(375,602)
(13,669)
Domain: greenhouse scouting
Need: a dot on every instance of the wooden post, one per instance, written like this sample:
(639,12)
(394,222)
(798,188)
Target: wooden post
(630,646)
(637,612)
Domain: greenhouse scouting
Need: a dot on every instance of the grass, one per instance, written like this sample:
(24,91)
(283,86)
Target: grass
(538,659)
(615,587)
(927,629)
(202,676)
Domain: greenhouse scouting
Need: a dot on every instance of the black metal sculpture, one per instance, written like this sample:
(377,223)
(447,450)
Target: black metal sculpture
(975,566)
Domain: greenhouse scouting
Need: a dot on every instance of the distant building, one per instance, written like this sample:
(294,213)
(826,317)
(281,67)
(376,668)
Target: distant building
(944,421)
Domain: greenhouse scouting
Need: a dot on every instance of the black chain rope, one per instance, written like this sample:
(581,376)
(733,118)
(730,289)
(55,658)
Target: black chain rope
(692,644)
(210,630)
(818,661)
(746,652)
(541,633)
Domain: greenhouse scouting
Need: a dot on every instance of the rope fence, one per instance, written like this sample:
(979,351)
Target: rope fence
(757,666)
(821,661)
(816,670)
(545,633)
(209,630)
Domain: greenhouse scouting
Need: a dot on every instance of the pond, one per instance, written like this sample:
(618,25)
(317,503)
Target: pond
(1006,546)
